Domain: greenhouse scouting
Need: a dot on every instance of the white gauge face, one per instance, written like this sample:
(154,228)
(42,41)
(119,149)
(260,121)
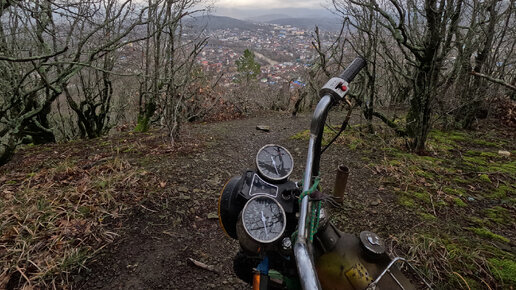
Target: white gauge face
(274,162)
(264,219)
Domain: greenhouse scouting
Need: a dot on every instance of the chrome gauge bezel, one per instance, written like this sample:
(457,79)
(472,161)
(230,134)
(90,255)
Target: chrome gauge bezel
(264,175)
(284,217)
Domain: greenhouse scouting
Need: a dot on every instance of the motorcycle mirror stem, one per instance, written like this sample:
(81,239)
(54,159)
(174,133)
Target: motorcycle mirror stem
(332,92)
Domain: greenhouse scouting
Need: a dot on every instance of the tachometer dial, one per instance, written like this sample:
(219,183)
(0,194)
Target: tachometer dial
(264,219)
(274,162)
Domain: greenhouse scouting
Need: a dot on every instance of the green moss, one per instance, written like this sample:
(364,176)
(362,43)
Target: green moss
(505,270)
(490,154)
(448,169)
(449,138)
(427,216)
(11,182)
(499,192)
(457,191)
(461,180)
(142,125)
(354,144)
(459,202)
(458,136)
(484,143)
(425,174)
(303,135)
(486,233)
(389,149)
(475,160)
(406,201)
(424,196)
(502,191)
(504,168)
(394,162)
(477,220)
(477,164)
(484,178)
(430,159)
(472,153)
(404,155)
(498,214)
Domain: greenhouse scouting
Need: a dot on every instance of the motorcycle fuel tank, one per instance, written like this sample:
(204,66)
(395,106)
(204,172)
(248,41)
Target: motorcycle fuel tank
(343,261)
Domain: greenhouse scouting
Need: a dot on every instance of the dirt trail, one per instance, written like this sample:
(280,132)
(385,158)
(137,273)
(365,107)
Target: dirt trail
(153,250)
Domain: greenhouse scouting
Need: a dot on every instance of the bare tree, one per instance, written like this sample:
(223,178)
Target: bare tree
(425,51)
(169,66)
(483,46)
(423,32)
(44,44)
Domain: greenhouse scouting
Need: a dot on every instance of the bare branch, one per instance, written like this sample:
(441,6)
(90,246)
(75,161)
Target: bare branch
(494,80)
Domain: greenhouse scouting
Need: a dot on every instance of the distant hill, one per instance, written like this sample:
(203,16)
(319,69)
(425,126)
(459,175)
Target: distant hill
(213,22)
(325,24)
(244,14)
(267,17)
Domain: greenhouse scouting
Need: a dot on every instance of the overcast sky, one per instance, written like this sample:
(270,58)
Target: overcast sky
(269,4)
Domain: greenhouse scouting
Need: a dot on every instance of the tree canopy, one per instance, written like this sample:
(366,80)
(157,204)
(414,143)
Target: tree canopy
(247,67)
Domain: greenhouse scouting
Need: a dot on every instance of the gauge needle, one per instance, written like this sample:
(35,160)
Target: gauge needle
(274,163)
(264,224)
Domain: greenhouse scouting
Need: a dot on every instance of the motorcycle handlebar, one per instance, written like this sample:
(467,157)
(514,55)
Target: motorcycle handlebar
(353,69)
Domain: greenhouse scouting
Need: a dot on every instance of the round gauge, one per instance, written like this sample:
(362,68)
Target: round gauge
(274,162)
(264,219)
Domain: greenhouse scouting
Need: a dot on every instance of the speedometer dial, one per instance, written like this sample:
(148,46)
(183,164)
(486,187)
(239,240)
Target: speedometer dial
(274,162)
(264,219)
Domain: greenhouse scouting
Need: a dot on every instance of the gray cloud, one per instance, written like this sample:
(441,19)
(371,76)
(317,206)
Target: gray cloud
(270,4)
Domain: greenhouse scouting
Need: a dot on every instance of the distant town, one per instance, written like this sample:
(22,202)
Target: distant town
(284,52)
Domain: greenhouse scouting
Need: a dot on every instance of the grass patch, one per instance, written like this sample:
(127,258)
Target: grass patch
(501,192)
(486,143)
(484,178)
(52,221)
(486,233)
(508,168)
(427,216)
(457,191)
(498,215)
(423,196)
(505,270)
(459,202)
(303,135)
(328,134)
(407,201)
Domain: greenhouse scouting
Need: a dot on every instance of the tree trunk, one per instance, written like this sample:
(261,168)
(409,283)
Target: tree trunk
(6,151)
(38,127)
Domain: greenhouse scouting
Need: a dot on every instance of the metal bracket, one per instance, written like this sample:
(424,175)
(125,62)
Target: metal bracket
(374,284)
(335,87)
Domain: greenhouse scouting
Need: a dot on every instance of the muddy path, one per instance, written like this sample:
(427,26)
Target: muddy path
(158,238)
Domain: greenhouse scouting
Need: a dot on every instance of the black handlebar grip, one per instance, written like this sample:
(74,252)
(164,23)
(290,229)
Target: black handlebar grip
(353,69)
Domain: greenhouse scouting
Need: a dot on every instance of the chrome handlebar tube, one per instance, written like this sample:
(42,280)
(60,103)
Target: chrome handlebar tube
(302,250)
(333,91)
